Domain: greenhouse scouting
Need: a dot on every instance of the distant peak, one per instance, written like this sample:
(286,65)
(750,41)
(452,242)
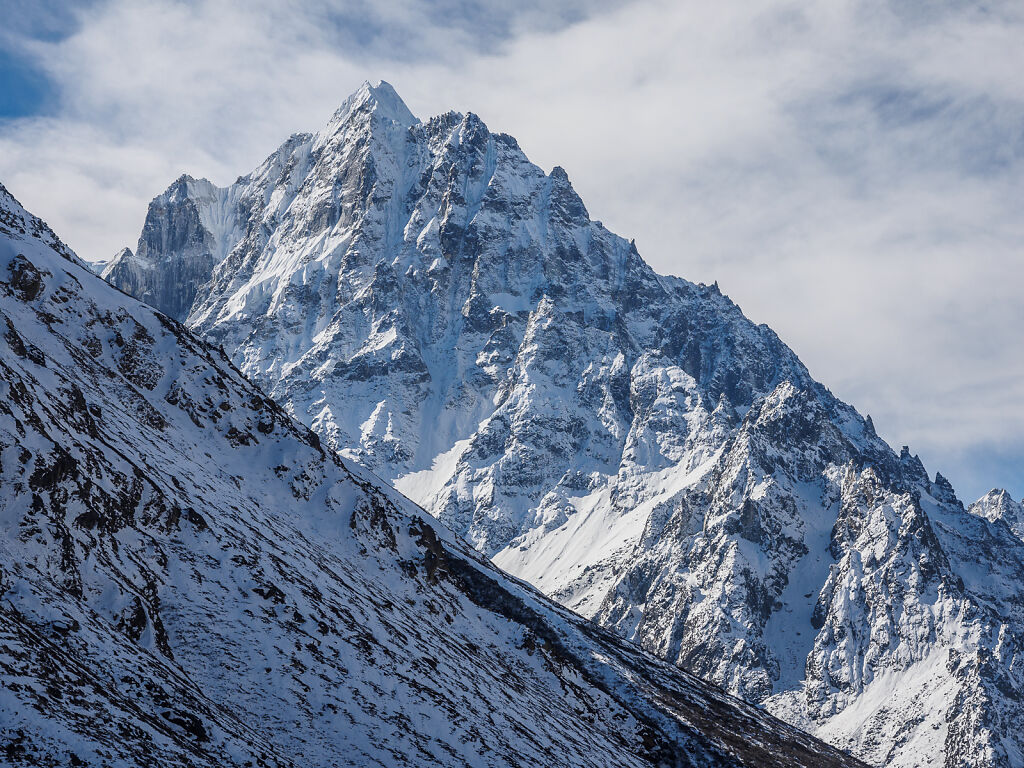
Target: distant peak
(188,186)
(106,268)
(381,90)
(998,504)
(998,494)
(380,98)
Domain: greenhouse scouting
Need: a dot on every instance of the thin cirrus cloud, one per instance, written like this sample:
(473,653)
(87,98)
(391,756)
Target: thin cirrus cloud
(849,172)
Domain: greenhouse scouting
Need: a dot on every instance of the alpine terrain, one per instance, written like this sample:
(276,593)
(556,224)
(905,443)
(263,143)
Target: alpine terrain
(438,309)
(187,578)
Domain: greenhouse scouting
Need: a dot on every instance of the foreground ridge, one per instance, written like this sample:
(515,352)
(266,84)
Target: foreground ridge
(188,578)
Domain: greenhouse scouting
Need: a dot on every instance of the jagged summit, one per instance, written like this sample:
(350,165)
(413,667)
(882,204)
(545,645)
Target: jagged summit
(1001,496)
(997,504)
(106,269)
(440,309)
(380,99)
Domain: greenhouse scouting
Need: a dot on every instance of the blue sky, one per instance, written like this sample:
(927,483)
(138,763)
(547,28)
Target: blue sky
(24,90)
(851,172)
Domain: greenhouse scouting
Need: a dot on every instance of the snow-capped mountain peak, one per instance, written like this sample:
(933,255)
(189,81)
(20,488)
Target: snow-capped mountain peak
(997,504)
(441,310)
(380,99)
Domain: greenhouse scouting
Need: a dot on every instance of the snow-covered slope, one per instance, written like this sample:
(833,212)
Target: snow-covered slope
(441,310)
(188,578)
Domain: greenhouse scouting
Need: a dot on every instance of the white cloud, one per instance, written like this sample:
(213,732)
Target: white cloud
(850,172)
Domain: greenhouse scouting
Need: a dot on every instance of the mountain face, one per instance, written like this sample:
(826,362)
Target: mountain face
(188,578)
(440,310)
(997,504)
(188,230)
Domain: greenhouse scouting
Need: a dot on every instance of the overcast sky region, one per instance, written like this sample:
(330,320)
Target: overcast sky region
(851,172)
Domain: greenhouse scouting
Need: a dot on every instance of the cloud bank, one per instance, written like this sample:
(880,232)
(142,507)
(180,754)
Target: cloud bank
(850,172)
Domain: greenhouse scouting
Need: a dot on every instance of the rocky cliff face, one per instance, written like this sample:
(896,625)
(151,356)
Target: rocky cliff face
(188,578)
(444,312)
(188,230)
(839,587)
